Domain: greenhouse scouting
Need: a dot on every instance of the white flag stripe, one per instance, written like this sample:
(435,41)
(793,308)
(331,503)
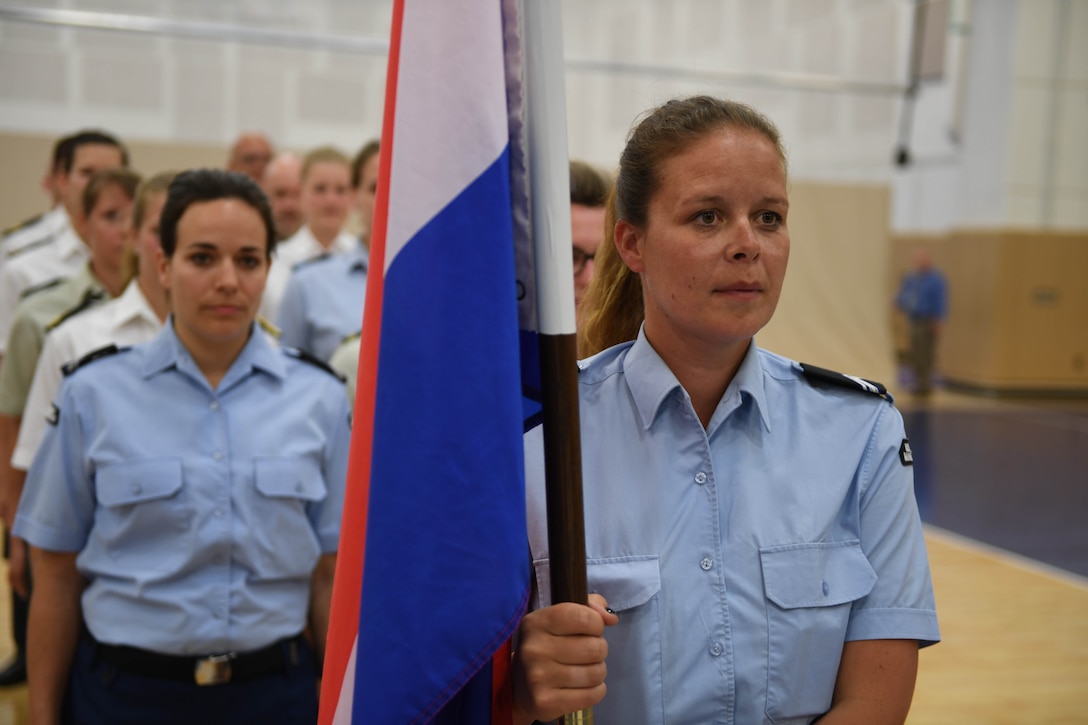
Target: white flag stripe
(440,129)
(346,701)
(549,167)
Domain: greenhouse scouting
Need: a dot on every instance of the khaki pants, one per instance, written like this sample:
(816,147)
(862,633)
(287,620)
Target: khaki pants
(923,352)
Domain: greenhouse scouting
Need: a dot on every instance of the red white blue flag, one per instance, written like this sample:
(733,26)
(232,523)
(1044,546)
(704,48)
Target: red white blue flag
(433,569)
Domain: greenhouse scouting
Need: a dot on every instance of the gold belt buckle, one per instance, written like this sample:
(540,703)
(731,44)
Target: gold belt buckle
(214,670)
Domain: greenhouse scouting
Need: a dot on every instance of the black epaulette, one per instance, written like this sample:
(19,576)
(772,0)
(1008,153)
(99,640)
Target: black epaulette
(89,298)
(41,287)
(21,225)
(70,367)
(315,361)
(308,262)
(842,380)
(47,239)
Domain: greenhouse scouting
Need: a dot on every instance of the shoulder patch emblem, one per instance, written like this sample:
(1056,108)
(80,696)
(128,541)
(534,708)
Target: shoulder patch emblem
(906,456)
(102,352)
(841,380)
(53,417)
(315,361)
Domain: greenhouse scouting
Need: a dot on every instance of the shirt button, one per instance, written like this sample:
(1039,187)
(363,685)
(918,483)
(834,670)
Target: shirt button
(707,563)
(715,649)
(219,513)
(700,478)
(298,487)
(826,588)
(136,488)
(218,455)
(214,405)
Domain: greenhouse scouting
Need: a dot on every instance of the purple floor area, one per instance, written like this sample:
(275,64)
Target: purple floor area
(1015,479)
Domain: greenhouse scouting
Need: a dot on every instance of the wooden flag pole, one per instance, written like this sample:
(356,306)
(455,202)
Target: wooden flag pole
(549,173)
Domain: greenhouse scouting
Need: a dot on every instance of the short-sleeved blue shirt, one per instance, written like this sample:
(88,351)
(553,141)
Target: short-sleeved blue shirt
(323,302)
(198,514)
(741,557)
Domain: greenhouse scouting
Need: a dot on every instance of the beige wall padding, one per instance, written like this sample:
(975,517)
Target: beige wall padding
(26,157)
(834,310)
(1018,310)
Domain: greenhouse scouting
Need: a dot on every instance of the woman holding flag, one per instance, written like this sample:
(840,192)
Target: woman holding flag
(752,539)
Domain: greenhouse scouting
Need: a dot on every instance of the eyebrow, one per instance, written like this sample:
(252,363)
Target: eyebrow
(716,199)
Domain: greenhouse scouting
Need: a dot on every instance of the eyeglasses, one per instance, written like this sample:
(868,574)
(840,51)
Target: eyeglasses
(580,258)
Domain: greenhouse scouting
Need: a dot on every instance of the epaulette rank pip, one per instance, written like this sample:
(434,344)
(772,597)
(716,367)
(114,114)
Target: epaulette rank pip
(315,361)
(841,380)
(102,352)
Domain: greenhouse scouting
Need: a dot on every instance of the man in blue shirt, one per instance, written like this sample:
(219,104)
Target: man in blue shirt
(923,298)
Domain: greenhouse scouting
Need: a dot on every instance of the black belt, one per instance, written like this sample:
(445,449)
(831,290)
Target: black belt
(217,669)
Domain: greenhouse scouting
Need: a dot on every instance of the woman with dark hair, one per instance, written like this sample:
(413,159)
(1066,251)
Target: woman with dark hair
(753,544)
(183,509)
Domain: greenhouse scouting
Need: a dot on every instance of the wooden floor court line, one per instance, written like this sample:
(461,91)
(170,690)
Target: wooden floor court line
(1007,557)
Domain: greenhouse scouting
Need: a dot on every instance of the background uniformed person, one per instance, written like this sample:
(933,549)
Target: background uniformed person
(184,510)
(88,153)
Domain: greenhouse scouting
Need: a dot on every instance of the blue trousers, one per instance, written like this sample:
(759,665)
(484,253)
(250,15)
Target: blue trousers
(101,694)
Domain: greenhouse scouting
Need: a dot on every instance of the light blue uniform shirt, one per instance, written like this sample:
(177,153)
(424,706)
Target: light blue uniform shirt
(323,302)
(198,514)
(740,558)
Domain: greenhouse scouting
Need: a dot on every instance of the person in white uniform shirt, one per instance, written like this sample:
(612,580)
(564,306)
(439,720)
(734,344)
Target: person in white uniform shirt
(132,318)
(91,152)
(43,228)
(326,202)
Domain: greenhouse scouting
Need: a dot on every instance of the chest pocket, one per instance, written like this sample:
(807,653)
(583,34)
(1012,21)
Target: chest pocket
(285,541)
(143,521)
(631,586)
(810,590)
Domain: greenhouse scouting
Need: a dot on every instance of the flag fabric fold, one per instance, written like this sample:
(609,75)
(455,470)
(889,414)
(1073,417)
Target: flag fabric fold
(433,570)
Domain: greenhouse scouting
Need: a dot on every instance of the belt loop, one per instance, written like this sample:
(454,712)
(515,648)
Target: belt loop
(292,652)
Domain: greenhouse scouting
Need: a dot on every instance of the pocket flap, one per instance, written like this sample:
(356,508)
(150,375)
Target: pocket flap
(289,478)
(129,482)
(816,575)
(626,582)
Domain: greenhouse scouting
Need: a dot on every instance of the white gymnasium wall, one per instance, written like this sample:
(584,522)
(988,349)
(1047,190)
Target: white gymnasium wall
(154,88)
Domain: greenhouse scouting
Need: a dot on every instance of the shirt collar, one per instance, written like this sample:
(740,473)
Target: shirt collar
(165,352)
(85,279)
(70,245)
(651,382)
(133,305)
